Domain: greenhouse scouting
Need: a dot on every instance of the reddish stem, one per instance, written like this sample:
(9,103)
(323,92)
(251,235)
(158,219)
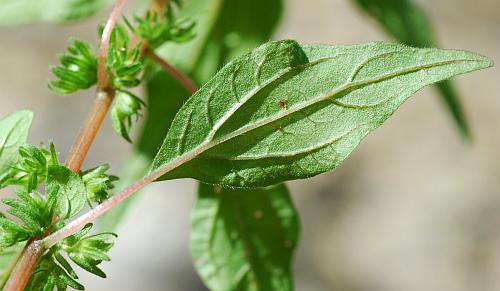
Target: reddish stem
(77,224)
(176,73)
(25,265)
(89,130)
(34,250)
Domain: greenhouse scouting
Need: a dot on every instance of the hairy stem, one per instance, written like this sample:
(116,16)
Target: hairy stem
(34,250)
(88,131)
(176,73)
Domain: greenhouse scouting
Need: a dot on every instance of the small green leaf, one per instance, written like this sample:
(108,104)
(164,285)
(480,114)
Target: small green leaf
(28,11)
(88,251)
(244,239)
(30,170)
(11,233)
(13,133)
(68,190)
(48,275)
(33,209)
(286,111)
(408,23)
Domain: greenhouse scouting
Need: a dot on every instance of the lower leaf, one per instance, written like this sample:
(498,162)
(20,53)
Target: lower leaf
(244,239)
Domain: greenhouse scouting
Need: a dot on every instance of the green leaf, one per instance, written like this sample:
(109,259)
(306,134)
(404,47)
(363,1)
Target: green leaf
(28,11)
(13,133)
(286,112)
(408,23)
(48,275)
(68,190)
(30,169)
(88,251)
(244,239)
(33,209)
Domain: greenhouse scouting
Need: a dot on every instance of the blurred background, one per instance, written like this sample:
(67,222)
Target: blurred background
(413,208)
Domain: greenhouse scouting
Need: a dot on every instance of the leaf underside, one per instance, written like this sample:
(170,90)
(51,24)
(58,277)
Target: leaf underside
(286,111)
(244,239)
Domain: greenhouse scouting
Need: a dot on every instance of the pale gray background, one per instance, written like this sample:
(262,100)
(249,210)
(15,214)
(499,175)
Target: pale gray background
(413,208)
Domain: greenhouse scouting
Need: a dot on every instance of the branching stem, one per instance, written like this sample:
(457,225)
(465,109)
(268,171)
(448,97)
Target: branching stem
(34,250)
(102,75)
(89,130)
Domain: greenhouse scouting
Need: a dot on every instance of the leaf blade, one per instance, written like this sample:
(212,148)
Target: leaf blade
(68,189)
(244,239)
(245,137)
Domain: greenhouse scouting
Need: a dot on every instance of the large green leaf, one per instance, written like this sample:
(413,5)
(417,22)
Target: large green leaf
(68,189)
(13,133)
(244,239)
(286,112)
(408,23)
(27,11)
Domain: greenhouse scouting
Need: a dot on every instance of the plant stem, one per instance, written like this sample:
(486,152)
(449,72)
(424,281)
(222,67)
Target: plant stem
(176,73)
(34,249)
(89,130)
(102,208)
(102,103)
(77,224)
(102,75)
(25,265)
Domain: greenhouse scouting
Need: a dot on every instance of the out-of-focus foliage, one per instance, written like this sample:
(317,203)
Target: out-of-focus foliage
(28,11)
